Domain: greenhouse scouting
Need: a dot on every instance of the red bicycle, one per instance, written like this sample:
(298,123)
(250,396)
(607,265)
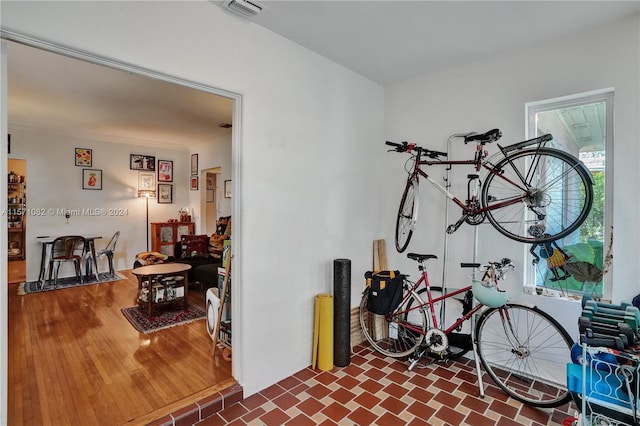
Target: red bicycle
(531,193)
(522,348)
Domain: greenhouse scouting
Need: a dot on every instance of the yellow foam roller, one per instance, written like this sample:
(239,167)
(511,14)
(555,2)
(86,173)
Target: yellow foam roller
(323,333)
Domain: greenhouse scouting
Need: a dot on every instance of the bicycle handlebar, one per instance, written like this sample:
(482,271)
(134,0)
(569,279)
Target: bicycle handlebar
(500,267)
(408,147)
(490,136)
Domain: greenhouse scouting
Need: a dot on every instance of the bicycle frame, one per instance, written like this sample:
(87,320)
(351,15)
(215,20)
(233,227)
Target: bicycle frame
(478,164)
(430,302)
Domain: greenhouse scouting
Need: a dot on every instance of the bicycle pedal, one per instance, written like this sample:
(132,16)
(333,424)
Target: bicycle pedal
(454,227)
(412,364)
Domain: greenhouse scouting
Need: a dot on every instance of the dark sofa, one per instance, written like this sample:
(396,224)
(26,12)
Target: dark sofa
(202,252)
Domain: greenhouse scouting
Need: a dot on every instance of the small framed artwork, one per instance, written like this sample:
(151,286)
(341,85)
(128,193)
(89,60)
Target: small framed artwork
(146,181)
(84,157)
(194,183)
(211,195)
(165,193)
(194,165)
(227,189)
(91,179)
(165,171)
(142,162)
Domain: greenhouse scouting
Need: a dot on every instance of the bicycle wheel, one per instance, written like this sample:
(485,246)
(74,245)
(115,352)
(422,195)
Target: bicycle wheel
(447,311)
(543,186)
(396,334)
(525,352)
(407,215)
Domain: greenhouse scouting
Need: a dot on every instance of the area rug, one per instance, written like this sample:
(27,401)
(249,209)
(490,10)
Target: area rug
(34,286)
(162,318)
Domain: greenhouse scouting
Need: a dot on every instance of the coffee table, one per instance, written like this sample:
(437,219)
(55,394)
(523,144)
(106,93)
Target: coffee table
(162,276)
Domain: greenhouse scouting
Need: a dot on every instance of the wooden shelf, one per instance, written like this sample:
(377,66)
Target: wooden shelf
(16,219)
(165,235)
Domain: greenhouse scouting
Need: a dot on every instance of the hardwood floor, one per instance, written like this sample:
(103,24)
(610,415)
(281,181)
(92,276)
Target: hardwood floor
(74,359)
(16,271)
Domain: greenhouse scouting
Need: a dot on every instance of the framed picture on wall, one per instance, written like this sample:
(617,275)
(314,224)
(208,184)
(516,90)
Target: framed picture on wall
(194,164)
(91,179)
(84,157)
(142,162)
(146,181)
(227,189)
(165,193)
(165,171)
(194,183)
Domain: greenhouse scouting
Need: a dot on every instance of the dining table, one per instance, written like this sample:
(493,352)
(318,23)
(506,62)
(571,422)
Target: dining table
(46,242)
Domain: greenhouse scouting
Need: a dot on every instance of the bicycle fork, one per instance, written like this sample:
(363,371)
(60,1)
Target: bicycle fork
(476,357)
(518,349)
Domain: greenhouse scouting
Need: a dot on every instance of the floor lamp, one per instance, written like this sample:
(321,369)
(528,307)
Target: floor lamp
(147,193)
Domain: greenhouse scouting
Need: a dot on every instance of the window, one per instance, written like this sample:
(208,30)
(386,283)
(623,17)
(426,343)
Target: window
(582,125)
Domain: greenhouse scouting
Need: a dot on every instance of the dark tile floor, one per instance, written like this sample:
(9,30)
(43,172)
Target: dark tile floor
(376,390)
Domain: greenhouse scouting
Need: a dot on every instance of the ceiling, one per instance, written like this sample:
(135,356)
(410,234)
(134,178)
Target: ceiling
(385,41)
(51,91)
(391,41)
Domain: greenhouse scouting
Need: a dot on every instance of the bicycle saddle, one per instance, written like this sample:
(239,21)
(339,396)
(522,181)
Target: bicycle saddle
(490,136)
(421,257)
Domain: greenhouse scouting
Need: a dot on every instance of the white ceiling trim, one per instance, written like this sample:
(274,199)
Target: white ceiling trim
(86,56)
(97,137)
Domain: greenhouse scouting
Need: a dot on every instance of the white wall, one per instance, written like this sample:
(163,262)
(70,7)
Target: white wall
(490,94)
(305,190)
(54,184)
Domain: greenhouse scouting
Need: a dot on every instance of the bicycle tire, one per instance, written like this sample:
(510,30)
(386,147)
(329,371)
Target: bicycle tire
(563,194)
(459,341)
(377,328)
(527,360)
(407,214)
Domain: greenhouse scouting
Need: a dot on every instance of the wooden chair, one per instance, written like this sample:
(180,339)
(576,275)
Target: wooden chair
(70,248)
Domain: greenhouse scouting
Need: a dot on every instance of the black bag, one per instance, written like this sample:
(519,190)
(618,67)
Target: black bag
(385,291)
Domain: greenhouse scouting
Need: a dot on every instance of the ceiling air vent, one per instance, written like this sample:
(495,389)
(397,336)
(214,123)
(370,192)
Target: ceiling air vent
(246,8)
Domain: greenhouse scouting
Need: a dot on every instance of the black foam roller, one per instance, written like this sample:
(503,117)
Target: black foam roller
(341,312)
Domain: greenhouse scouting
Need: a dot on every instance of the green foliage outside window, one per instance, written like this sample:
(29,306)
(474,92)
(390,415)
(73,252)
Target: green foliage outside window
(593,227)
(590,248)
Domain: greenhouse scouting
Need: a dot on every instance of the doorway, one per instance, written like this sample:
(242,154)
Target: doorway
(70,53)
(209,205)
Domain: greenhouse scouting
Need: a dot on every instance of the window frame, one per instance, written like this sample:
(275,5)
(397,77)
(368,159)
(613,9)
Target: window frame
(602,95)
